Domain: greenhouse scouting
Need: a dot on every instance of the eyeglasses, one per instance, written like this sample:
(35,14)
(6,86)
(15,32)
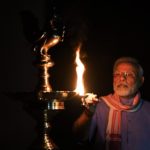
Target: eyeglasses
(124,75)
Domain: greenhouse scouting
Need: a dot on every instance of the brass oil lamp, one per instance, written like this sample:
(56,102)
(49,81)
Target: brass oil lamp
(47,99)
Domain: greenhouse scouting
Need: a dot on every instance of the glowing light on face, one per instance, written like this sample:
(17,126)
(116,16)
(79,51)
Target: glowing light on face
(125,82)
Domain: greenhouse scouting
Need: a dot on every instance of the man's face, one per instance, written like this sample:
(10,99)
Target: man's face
(125,80)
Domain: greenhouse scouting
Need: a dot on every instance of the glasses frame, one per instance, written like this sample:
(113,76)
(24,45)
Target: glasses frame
(125,75)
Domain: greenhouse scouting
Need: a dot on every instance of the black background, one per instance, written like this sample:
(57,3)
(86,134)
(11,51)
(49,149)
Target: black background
(106,30)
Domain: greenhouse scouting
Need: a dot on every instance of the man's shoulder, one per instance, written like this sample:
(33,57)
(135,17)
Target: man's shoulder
(101,103)
(146,104)
(146,101)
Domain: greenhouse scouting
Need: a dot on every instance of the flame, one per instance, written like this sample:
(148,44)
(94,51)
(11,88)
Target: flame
(80,71)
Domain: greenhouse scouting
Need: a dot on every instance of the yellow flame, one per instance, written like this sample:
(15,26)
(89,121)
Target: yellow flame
(80,71)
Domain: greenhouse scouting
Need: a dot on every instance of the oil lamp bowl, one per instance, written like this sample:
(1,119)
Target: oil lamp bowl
(55,100)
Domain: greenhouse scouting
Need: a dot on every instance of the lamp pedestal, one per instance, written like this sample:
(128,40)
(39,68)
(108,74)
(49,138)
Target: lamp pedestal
(44,111)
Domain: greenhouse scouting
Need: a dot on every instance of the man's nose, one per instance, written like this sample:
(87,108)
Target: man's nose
(123,76)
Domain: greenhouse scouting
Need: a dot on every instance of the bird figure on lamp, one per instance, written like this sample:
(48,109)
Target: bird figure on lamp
(42,41)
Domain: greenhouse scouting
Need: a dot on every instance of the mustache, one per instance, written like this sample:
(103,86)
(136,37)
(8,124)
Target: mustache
(122,85)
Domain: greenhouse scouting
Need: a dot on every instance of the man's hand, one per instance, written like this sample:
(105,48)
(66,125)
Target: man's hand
(89,101)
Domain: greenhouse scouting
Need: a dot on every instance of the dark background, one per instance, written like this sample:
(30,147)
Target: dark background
(106,30)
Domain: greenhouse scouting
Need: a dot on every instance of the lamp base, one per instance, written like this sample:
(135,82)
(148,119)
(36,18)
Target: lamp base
(46,107)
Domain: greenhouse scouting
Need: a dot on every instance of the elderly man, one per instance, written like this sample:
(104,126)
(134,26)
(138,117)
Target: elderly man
(120,120)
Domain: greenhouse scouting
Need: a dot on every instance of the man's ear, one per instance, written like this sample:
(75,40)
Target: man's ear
(141,81)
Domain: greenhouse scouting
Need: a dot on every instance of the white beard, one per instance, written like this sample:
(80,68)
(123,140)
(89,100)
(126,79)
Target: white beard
(124,90)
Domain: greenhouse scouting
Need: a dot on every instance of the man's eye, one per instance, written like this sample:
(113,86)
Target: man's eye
(130,75)
(116,74)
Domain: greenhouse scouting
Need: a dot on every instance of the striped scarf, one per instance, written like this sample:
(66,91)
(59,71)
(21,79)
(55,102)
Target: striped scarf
(113,131)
